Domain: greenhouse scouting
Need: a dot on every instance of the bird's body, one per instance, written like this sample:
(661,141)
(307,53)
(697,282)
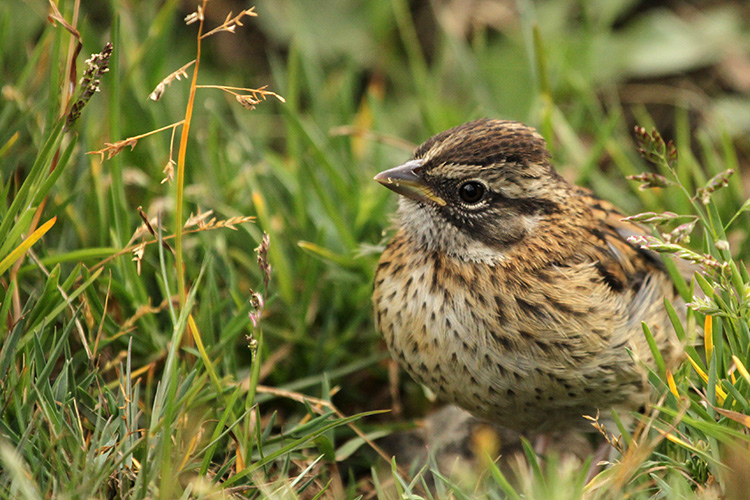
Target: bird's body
(510,292)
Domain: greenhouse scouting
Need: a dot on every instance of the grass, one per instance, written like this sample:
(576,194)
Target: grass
(166,364)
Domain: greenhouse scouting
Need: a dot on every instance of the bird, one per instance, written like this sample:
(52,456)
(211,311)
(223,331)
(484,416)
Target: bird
(512,293)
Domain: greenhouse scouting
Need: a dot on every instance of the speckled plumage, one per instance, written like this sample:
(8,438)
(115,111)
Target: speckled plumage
(521,307)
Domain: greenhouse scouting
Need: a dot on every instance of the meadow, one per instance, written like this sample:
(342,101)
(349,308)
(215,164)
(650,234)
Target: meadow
(187,249)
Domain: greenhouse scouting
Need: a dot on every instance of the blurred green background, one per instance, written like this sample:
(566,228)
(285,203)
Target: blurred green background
(364,82)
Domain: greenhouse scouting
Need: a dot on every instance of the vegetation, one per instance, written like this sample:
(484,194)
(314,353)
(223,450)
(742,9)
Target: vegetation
(155,344)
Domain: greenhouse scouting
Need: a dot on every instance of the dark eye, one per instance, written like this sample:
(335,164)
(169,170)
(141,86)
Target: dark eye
(471,191)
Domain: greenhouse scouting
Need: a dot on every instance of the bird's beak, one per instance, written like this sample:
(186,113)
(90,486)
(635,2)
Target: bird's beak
(407,180)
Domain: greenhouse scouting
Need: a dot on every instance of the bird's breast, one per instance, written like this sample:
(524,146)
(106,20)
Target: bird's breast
(447,328)
(477,338)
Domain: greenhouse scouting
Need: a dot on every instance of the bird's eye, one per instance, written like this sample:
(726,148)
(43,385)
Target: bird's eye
(471,191)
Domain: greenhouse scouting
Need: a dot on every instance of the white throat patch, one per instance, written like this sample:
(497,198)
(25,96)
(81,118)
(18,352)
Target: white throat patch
(428,228)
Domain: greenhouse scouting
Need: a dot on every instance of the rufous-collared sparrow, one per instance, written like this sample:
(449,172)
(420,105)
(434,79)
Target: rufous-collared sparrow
(512,293)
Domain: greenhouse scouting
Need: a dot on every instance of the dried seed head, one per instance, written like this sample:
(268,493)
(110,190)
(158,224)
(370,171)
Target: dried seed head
(258,303)
(650,180)
(96,66)
(168,171)
(179,74)
(704,305)
(654,149)
(671,153)
(651,217)
(722,245)
(247,101)
(194,17)
(655,244)
(715,183)
(681,234)
(263,263)
(252,344)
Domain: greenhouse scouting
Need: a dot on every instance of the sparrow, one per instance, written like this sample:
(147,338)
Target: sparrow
(512,293)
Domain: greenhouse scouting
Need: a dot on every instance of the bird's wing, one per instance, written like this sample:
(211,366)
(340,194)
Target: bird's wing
(645,282)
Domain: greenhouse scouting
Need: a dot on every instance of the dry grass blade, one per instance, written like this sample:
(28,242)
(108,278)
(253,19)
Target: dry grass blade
(56,17)
(151,230)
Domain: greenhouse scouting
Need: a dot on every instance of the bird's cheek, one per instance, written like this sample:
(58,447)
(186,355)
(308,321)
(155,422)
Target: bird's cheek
(501,232)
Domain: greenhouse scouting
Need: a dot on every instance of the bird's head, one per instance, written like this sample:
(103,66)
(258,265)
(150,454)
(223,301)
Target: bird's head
(476,189)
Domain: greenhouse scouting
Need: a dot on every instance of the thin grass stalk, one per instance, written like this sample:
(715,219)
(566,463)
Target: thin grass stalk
(180,176)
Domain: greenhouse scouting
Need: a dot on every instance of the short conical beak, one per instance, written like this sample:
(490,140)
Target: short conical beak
(407,181)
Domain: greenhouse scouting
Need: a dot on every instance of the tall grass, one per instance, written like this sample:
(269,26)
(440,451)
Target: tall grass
(145,353)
